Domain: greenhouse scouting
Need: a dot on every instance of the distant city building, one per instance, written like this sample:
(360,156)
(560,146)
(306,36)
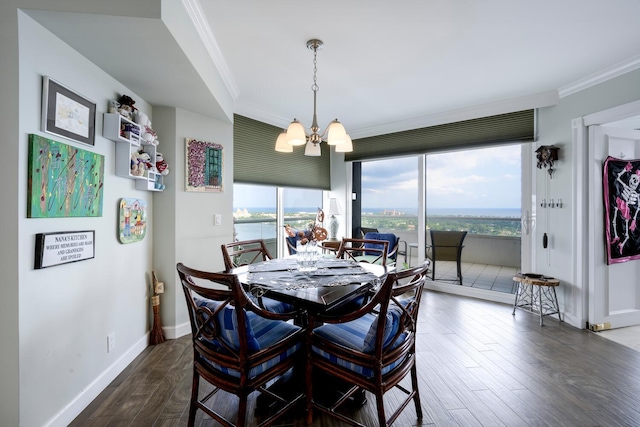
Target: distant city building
(241,213)
(392,212)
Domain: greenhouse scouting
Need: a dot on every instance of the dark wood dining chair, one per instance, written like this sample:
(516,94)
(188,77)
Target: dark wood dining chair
(446,246)
(245,252)
(364,250)
(394,242)
(237,347)
(372,348)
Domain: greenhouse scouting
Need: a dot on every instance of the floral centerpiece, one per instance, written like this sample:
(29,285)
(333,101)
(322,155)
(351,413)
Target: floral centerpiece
(307,243)
(314,231)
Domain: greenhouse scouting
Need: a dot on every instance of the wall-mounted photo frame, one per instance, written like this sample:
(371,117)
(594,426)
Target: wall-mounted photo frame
(63,247)
(204,168)
(66,113)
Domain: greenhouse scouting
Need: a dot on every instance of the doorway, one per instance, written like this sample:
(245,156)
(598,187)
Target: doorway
(613,292)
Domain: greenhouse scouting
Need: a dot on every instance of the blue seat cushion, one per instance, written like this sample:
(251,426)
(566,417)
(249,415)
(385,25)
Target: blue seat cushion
(360,335)
(273,305)
(264,333)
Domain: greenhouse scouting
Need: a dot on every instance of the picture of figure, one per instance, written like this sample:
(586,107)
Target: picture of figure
(621,179)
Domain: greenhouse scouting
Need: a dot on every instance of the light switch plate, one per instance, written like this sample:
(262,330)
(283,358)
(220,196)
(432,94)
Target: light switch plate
(217,219)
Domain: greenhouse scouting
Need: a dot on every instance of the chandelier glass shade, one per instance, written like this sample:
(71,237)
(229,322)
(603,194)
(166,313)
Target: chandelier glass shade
(296,135)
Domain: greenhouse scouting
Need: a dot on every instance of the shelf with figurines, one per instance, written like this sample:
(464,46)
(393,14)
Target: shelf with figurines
(136,152)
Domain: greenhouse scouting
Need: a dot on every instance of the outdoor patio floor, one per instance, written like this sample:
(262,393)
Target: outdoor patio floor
(482,276)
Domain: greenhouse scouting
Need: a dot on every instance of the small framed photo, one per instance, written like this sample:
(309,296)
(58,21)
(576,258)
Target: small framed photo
(66,113)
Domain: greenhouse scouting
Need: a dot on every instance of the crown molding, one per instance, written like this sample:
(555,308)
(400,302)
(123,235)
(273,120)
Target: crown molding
(256,113)
(194,11)
(540,100)
(609,73)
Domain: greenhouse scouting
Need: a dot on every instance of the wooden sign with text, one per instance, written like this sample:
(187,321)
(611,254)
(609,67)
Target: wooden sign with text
(63,247)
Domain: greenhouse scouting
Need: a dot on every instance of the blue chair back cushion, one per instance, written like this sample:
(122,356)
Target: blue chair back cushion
(293,241)
(261,333)
(360,335)
(389,237)
(228,323)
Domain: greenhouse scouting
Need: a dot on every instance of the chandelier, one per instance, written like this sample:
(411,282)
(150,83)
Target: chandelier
(296,135)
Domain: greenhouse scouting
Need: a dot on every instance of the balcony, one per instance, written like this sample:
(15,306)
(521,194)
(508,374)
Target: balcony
(489,262)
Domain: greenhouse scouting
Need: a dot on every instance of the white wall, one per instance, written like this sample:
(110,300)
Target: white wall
(10,173)
(185,230)
(555,127)
(54,322)
(67,311)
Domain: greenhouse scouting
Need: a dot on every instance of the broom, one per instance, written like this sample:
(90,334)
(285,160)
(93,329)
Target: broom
(157,335)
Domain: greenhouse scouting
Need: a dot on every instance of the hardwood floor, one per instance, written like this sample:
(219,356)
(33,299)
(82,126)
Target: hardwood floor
(478,366)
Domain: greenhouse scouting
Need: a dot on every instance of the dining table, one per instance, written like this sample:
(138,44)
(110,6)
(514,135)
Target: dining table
(333,284)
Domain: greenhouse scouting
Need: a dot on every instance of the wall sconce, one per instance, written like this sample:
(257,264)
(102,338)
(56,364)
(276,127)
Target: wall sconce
(546,155)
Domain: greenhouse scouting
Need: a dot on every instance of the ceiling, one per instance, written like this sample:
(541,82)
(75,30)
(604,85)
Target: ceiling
(385,66)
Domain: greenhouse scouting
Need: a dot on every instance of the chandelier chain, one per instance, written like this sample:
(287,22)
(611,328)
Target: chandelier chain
(315,86)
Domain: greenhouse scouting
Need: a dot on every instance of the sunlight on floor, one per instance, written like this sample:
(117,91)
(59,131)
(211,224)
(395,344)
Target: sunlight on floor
(629,336)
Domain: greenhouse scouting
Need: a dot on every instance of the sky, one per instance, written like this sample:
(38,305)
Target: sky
(481,178)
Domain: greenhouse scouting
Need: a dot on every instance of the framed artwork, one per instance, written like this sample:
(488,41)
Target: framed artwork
(64,181)
(204,166)
(67,114)
(132,220)
(621,179)
(64,247)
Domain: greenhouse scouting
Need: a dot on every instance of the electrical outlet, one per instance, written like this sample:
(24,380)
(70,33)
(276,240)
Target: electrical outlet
(111,342)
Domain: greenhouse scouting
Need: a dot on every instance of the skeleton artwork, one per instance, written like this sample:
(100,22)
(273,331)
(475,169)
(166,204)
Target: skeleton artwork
(625,202)
(622,202)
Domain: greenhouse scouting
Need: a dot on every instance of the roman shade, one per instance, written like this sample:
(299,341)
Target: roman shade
(502,128)
(256,162)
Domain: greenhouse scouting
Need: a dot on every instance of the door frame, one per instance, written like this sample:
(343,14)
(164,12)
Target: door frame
(583,251)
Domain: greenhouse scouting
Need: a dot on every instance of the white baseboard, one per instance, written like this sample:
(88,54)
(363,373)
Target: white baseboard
(174,332)
(82,400)
(467,291)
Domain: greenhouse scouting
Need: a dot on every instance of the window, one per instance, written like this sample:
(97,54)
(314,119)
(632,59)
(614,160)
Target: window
(256,212)
(390,196)
(475,190)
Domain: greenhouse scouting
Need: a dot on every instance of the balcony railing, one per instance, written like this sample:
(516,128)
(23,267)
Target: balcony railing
(491,240)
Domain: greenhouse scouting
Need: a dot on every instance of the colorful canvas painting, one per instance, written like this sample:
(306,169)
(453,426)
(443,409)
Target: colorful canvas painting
(132,220)
(64,181)
(621,198)
(204,166)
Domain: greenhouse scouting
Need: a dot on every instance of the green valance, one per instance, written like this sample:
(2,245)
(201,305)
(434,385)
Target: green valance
(502,128)
(255,160)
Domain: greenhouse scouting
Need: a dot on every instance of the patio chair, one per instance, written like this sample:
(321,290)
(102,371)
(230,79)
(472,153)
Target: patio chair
(446,246)
(365,230)
(372,348)
(237,347)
